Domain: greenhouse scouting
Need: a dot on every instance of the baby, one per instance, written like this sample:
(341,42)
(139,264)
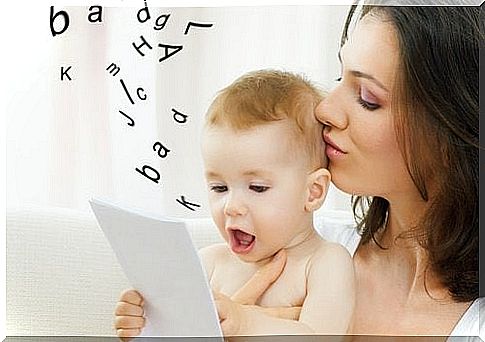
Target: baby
(265,168)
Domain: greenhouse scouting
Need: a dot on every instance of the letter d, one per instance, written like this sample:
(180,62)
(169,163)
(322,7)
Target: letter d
(145,11)
(53,18)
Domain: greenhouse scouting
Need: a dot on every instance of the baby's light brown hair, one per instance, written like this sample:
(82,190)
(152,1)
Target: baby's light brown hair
(264,96)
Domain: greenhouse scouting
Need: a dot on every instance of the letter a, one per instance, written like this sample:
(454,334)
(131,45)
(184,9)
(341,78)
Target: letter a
(99,13)
(53,18)
(174,48)
(162,150)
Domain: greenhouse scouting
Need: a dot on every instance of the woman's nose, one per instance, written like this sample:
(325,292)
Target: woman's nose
(234,206)
(331,112)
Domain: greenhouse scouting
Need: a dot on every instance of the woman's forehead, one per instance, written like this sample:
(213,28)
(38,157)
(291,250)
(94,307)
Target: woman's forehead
(372,49)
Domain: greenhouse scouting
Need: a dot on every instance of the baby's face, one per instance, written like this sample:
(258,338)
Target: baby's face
(257,188)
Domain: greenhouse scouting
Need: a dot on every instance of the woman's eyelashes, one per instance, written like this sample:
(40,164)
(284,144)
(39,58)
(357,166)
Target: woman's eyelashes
(367,100)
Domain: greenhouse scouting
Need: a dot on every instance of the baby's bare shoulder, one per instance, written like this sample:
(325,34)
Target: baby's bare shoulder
(215,251)
(332,254)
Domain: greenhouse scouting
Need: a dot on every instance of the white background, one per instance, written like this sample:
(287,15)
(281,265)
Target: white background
(66,142)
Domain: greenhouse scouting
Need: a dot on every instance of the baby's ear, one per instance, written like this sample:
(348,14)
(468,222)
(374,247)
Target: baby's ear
(318,183)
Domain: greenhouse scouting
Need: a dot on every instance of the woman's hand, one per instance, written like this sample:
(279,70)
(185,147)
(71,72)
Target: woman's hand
(233,311)
(129,318)
(255,287)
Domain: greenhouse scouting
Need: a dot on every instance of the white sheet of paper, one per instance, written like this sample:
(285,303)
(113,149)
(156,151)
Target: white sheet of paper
(161,262)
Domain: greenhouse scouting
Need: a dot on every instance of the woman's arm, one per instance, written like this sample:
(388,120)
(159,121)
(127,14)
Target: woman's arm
(327,309)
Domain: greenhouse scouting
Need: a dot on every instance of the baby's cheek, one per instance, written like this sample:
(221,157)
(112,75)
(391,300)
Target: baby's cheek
(217,214)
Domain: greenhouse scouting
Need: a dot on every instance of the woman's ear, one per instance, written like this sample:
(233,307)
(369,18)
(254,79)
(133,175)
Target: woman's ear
(318,183)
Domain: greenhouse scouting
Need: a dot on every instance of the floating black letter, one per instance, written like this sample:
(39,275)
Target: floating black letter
(99,13)
(143,10)
(187,204)
(53,18)
(162,154)
(65,73)
(156,176)
(140,46)
(179,117)
(174,48)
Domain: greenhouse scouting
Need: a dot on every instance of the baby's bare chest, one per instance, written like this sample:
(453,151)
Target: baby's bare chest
(288,290)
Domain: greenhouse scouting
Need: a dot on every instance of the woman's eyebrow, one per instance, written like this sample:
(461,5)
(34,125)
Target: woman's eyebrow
(360,74)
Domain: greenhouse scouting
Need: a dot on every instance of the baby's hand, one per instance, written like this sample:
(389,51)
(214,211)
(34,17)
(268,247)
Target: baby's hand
(129,318)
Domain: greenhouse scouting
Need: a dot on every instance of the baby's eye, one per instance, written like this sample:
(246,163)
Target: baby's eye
(258,188)
(218,188)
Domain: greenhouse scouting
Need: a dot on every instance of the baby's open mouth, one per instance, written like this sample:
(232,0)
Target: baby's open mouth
(241,242)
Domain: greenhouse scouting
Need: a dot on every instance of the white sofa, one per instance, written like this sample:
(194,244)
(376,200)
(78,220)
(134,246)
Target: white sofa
(63,278)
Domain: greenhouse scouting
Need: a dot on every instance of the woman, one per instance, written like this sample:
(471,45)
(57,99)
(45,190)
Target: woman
(402,127)
(402,136)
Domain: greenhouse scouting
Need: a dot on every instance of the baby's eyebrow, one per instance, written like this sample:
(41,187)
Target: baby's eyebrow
(256,172)
(211,174)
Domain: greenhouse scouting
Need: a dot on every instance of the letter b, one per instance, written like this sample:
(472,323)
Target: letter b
(155,177)
(53,18)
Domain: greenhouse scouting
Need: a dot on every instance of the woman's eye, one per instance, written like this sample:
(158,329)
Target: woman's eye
(367,100)
(368,105)
(258,188)
(218,188)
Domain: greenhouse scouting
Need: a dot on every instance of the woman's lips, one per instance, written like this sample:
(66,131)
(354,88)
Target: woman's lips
(240,241)
(332,149)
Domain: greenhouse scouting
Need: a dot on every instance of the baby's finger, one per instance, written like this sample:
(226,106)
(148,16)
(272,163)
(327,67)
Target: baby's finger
(127,309)
(129,322)
(227,324)
(128,332)
(131,296)
(223,308)
(219,296)
(254,288)
(229,327)
(291,313)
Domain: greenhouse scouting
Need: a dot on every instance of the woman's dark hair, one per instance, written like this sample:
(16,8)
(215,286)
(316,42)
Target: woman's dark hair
(436,108)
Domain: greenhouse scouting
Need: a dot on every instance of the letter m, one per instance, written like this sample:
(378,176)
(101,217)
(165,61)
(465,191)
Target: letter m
(113,69)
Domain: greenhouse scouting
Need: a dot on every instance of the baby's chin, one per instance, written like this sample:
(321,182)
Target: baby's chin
(257,258)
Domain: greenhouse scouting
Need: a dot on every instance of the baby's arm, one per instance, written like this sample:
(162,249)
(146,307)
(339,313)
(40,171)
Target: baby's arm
(209,256)
(327,308)
(329,304)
